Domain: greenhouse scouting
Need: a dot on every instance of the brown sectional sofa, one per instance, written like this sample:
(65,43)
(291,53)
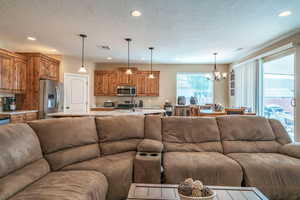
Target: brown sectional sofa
(95,159)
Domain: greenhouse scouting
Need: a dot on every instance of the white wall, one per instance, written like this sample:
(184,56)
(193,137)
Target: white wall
(168,82)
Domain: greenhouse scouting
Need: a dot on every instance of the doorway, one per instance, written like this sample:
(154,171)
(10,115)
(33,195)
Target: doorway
(278,97)
(76,92)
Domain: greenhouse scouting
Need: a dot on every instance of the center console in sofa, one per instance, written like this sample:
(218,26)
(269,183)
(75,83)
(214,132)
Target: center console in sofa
(98,158)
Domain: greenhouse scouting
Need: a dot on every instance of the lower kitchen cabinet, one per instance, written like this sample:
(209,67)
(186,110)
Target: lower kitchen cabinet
(20,117)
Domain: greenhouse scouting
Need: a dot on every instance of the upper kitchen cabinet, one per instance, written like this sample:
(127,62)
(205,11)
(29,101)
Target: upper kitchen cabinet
(19,77)
(145,85)
(39,66)
(49,68)
(107,81)
(12,72)
(125,79)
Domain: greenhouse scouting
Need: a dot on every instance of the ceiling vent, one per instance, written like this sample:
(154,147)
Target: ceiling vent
(104,47)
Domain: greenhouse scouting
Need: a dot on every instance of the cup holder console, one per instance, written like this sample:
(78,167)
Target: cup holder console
(145,161)
(148,154)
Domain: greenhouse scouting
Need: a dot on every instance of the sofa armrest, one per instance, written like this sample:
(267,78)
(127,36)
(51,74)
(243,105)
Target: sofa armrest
(148,145)
(292,149)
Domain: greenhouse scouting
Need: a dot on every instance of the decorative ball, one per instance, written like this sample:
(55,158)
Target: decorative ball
(198,185)
(206,191)
(189,181)
(196,192)
(185,189)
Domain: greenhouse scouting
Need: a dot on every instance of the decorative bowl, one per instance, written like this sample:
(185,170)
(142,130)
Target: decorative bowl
(211,197)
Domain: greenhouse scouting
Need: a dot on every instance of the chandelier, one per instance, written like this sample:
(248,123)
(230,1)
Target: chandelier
(216,75)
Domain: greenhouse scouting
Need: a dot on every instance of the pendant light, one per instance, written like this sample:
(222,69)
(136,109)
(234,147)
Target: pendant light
(128,71)
(151,75)
(82,68)
(217,76)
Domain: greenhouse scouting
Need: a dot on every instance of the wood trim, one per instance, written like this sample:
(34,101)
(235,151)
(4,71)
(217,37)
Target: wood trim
(12,54)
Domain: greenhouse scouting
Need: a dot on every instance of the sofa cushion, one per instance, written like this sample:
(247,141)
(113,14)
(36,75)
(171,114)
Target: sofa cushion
(292,149)
(153,127)
(276,175)
(21,161)
(210,167)
(120,133)
(148,145)
(67,140)
(190,134)
(19,146)
(247,134)
(79,185)
(117,168)
(21,178)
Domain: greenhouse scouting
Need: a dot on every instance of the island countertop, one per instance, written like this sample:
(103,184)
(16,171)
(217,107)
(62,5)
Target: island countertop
(107,113)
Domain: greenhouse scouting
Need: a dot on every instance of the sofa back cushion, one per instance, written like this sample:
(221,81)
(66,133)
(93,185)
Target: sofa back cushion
(21,160)
(247,134)
(65,141)
(120,133)
(153,127)
(191,134)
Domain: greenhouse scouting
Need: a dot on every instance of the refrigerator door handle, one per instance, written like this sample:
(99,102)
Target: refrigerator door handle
(57,96)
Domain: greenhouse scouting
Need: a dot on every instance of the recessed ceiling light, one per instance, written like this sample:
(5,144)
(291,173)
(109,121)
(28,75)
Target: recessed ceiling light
(136,13)
(285,13)
(53,50)
(31,38)
(109,58)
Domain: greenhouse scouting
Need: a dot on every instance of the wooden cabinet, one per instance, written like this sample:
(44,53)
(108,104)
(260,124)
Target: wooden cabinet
(48,69)
(145,85)
(30,116)
(6,72)
(18,118)
(22,117)
(106,82)
(12,72)
(19,75)
(39,66)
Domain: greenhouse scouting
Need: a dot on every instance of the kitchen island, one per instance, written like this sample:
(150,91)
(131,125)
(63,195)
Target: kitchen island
(115,112)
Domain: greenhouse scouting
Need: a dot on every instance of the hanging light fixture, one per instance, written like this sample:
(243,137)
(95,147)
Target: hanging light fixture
(151,75)
(82,68)
(217,76)
(128,71)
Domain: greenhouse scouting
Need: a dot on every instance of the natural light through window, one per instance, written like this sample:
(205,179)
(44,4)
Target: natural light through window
(195,85)
(278,98)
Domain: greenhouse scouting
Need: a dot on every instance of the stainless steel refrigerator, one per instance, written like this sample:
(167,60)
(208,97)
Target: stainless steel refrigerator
(51,97)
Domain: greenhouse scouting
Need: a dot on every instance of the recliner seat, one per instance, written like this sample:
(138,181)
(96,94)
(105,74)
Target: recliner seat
(192,148)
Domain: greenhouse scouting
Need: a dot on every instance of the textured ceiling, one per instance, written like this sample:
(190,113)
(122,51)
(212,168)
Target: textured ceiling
(182,31)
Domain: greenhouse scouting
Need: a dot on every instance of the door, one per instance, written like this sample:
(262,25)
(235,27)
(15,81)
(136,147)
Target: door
(279,91)
(76,92)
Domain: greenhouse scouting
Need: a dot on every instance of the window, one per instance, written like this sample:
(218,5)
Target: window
(279,90)
(195,85)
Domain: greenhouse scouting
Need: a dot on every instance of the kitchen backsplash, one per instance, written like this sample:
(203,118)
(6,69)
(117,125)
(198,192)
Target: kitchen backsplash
(148,101)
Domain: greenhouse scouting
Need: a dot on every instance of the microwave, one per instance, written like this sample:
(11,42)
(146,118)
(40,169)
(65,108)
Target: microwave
(126,91)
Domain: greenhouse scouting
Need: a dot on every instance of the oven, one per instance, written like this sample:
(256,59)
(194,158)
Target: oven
(126,91)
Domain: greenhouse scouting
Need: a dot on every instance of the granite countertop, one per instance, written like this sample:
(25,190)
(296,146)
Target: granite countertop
(17,112)
(108,113)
